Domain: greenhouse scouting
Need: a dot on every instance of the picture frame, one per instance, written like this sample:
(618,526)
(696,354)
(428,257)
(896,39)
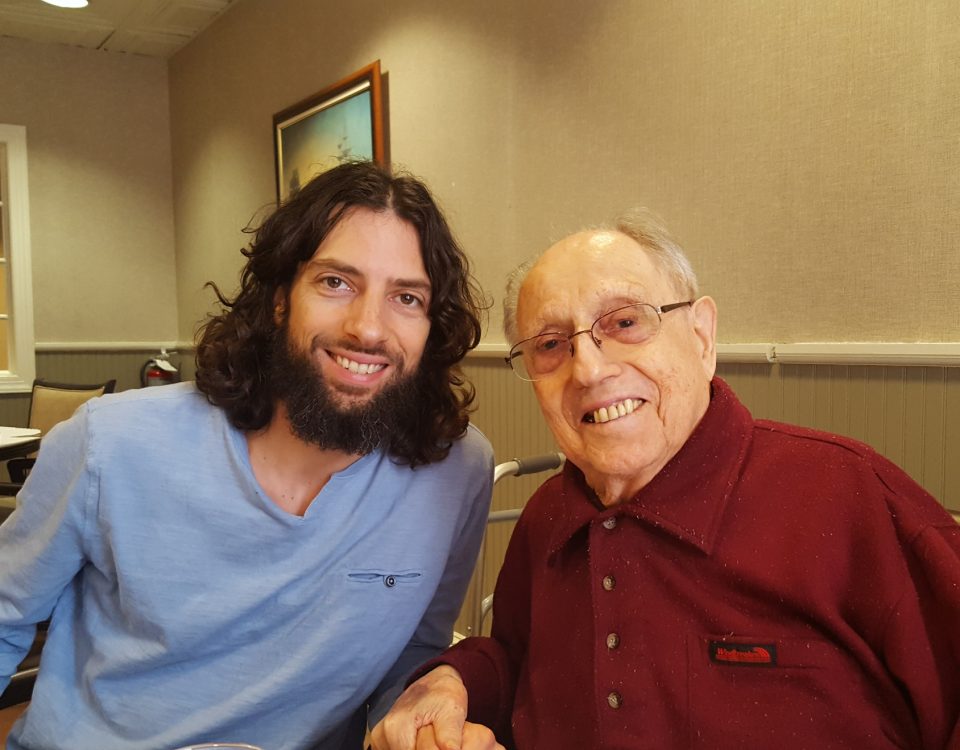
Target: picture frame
(343,122)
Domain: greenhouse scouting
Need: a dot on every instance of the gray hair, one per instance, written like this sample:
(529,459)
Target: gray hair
(640,225)
(514,282)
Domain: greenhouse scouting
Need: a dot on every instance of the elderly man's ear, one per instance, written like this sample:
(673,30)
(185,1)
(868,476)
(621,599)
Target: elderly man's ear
(705,328)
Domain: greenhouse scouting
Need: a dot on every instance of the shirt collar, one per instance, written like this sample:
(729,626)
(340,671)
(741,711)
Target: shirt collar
(688,497)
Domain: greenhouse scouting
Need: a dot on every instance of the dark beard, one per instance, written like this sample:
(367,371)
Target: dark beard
(316,417)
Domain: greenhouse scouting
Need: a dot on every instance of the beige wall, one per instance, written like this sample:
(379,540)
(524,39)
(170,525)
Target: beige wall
(101,204)
(805,153)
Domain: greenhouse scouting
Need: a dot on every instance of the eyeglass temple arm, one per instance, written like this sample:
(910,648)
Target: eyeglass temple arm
(673,306)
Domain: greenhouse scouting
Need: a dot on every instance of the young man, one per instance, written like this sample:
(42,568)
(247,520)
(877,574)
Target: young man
(694,578)
(262,555)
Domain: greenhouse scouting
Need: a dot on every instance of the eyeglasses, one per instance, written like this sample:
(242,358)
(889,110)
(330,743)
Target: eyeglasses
(538,356)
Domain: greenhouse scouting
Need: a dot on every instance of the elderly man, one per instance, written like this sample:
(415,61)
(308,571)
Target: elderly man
(694,578)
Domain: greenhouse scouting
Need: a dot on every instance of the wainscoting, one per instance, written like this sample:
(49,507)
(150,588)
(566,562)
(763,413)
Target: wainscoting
(84,366)
(909,414)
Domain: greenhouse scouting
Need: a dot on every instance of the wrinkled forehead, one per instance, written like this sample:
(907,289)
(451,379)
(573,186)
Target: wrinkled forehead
(584,276)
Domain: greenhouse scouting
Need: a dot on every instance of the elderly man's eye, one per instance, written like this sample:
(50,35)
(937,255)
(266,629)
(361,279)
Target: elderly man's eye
(615,323)
(622,320)
(547,344)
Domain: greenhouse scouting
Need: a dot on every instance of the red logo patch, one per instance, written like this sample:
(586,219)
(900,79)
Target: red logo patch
(743,654)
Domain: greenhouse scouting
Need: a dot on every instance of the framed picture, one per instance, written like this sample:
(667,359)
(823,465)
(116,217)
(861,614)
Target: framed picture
(344,122)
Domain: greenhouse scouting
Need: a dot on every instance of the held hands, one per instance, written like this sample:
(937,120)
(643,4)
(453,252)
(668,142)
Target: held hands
(475,737)
(431,715)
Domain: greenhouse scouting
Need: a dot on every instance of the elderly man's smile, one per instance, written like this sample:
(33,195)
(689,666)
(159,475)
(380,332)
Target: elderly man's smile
(611,412)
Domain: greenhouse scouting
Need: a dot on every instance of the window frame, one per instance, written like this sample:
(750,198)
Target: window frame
(15,207)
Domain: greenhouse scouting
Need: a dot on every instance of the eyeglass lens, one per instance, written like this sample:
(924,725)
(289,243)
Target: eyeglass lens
(539,356)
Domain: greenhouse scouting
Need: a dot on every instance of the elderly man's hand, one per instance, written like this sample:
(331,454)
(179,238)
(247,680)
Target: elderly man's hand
(439,700)
(475,737)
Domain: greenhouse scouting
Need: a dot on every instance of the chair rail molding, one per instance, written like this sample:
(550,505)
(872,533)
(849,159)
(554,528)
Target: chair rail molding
(905,354)
(111,346)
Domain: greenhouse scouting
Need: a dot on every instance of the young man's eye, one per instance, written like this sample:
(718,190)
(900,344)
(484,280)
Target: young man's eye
(333,282)
(409,300)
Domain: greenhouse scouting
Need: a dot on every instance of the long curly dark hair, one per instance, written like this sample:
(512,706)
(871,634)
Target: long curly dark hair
(234,347)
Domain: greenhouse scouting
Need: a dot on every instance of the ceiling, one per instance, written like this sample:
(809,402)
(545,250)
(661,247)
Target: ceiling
(157,28)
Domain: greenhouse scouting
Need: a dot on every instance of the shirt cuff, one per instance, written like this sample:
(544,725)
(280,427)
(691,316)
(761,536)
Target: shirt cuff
(487,696)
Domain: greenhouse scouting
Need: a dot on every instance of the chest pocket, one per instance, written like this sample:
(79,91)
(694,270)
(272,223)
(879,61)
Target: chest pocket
(389,579)
(767,688)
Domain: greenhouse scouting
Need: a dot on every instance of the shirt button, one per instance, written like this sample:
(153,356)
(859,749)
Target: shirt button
(613,640)
(614,700)
(389,581)
(609,583)
(610,523)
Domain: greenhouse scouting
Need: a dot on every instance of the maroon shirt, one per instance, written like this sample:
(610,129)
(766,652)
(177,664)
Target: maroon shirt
(772,587)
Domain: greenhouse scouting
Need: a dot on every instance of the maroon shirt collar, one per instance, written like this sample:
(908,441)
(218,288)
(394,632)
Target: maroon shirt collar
(688,497)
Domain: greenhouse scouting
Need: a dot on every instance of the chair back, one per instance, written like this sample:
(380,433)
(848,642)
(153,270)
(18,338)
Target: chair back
(54,402)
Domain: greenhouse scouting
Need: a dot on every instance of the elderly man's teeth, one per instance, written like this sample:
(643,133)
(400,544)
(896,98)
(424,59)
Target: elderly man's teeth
(357,367)
(615,411)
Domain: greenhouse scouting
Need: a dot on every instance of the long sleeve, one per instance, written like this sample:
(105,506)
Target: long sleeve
(921,640)
(766,566)
(491,666)
(174,581)
(436,628)
(41,543)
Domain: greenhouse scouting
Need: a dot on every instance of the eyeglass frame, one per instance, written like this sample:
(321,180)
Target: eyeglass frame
(660,310)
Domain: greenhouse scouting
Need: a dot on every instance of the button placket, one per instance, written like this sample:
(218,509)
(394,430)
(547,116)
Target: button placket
(605,559)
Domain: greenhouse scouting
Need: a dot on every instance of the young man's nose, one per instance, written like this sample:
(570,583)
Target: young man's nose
(365,321)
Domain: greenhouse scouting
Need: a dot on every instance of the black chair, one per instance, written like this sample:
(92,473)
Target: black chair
(51,403)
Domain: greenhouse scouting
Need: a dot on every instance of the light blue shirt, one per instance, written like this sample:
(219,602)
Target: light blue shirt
(187,607)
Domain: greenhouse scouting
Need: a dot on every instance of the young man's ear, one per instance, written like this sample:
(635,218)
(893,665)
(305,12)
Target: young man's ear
(279,306)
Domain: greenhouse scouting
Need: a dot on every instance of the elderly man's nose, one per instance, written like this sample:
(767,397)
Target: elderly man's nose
(590,364)
(587,333)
